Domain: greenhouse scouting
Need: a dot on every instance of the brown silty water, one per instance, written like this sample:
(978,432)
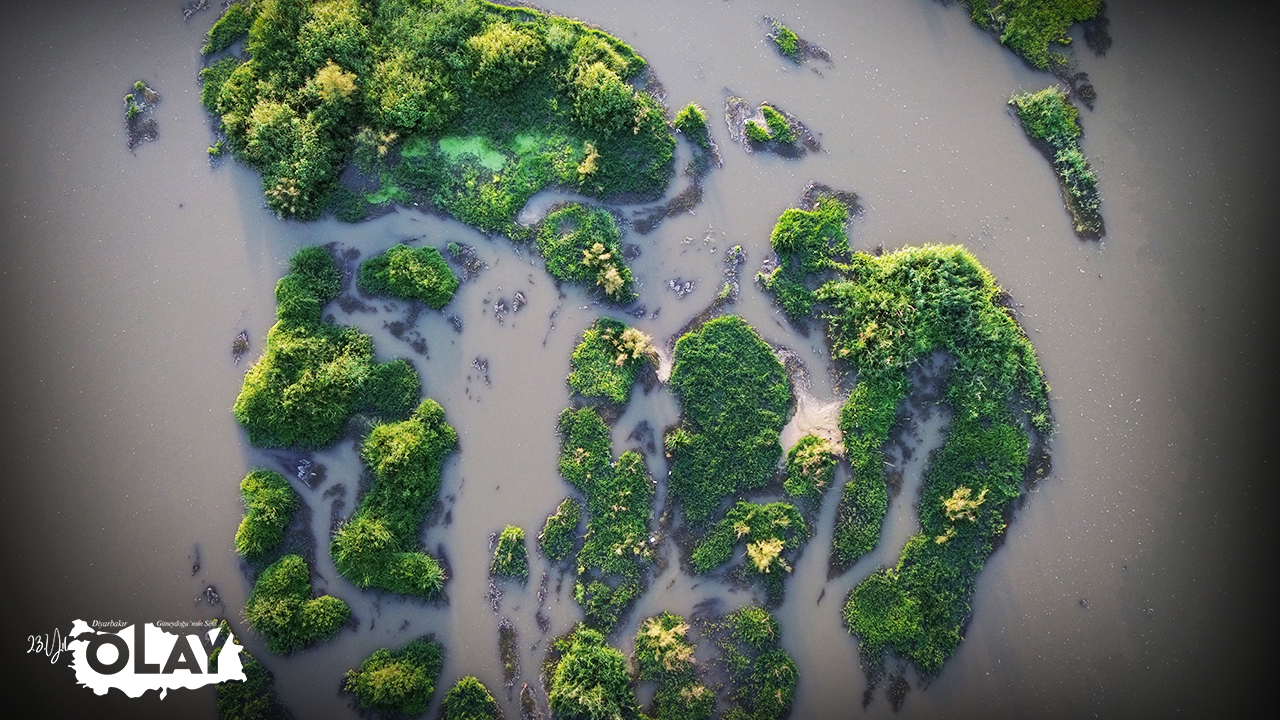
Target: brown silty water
(1128,580)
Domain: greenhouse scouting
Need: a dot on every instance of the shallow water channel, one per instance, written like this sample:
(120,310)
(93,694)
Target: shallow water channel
(1128,579)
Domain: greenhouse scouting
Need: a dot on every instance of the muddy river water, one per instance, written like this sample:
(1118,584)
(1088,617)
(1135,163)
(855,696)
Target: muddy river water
(1132,583)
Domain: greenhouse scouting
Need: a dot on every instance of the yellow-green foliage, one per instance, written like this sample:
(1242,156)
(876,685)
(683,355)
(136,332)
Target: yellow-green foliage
(765,529)
(321,73)
(315,375)
(510,558)
(762,676)
(811,468)
(692,121)
(607,360)
(397,682)
(589,679)
(665,655)
(469,699)
(410,273)
(1027,27)
(734,398)
(807,242)
(269,504)
(282,610)
(1048,116)
(786,40)
(584,246)
(379,546)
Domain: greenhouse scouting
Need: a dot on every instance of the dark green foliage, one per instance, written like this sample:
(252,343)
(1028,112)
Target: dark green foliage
(378,546)
(735,398)
(545,92)
(606,362)
(786,40)
(583,246)
(807,242)
(469,699)
(692,121)
(409,273)
(1028,26)
(589,680)
(763,676)
(665,655)
(585,447)
(510,558)
(768,531)
(282,610)
(233,25)
(894,311)
(1050,118)
(779,128)
(269,504)
(400,681)
(254,698)
(558,535)
(313,376)
(214,77)
(811,468)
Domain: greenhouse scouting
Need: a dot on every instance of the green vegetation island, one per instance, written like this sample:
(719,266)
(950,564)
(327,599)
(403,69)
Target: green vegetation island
(1053,124)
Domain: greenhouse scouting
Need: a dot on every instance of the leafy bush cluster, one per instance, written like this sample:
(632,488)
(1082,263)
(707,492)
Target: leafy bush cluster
(583,246)
(807,242)
(776,128)
(546,92)
(606,362)
(469,699)
(1049,117)
(616,550)
(811,468)
(763,676)
(253,698)
(768,531)
(409,273)
(692,121)
(1028,26)
(510,558)
(665,655)
(589,679)
(400,681)
(269,503)
(786,40)
(735,398)
(378,546)
(282,610)
(560,532)
(314,375)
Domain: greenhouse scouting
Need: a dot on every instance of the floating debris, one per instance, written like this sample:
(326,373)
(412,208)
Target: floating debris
(239,346)
(682,287)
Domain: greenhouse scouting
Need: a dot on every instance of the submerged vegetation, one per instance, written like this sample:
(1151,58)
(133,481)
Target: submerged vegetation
(269,504)
(665,655)
(560,532)
(734,398)
(314,375)
(401,86)
(1028,27)
(469,699)
(397,682)
(378,547)
(589,680)
(616,551)
(510,558)
(606,362)
(411,274)
(1052,122)
(763,676)
(583,246)
(282,610)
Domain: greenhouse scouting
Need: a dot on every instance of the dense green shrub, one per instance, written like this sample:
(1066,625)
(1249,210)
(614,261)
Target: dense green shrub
(1028,26)
(756,132)
(582,245)
(233,25)
(313,376)
(1050,118)
(409,273)
(589,680)
(768,531)
(400,681)
(807,242)
(779,127)
(606,362)
(282,610)
(510,558)
(692,121)
(786,40)
(469,699)
(734,398)
(378,546)
(269,504)
(665,655)
(762,675)
(213,78)
(539,88)
(811,468)
(560,533)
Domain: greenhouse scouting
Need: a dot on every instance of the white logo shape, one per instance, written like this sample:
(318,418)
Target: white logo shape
(143,657)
